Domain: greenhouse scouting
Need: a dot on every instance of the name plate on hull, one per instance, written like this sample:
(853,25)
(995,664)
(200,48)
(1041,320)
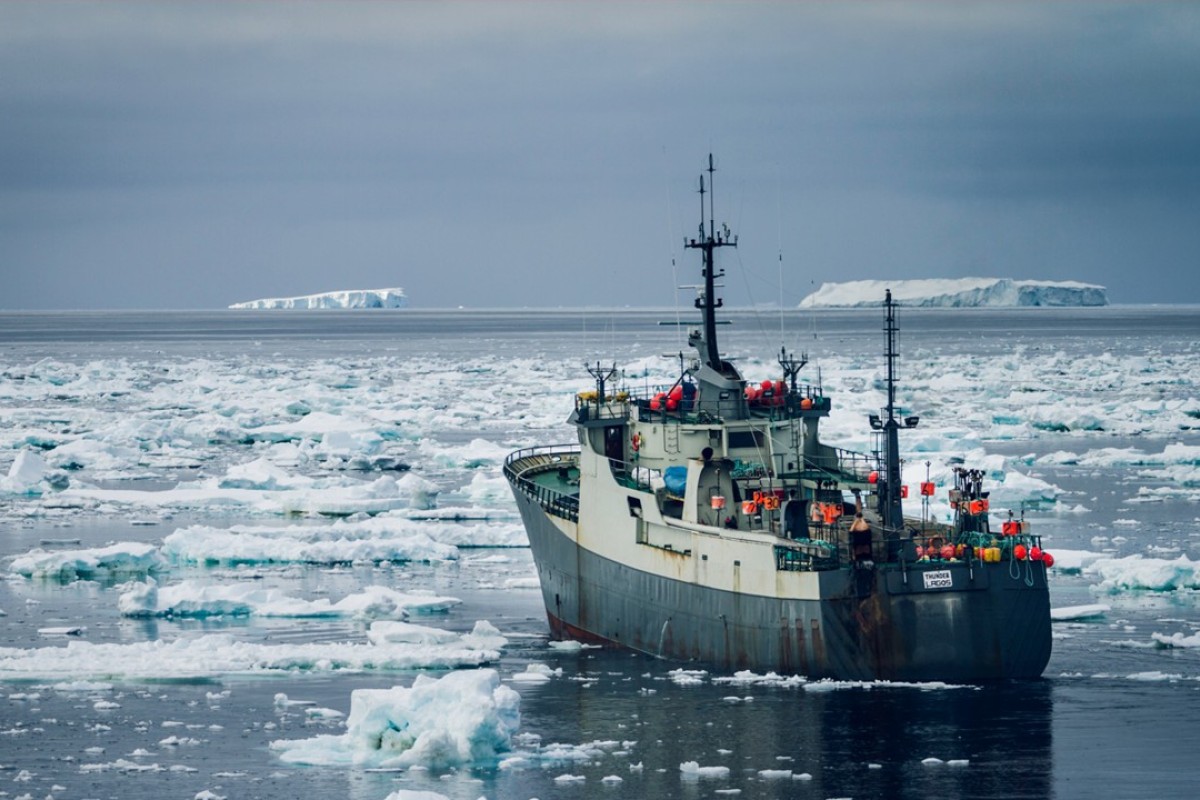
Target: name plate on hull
(938,579)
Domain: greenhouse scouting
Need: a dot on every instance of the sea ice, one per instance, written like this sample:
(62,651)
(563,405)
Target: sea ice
(465,717)
(394,540)
(219,655)
(693,770)
(1151,574)
(195,599)
(122,558)
(1070,613)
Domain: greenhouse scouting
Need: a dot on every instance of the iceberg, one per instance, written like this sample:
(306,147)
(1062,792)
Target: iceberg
(958,293)
(346,298)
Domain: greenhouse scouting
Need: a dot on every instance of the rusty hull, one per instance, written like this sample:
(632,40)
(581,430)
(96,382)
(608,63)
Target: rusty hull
(876,623)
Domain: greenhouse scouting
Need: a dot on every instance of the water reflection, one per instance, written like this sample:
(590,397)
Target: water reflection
(853,742)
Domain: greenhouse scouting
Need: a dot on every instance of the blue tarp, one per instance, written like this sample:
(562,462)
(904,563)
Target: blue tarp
(676,480)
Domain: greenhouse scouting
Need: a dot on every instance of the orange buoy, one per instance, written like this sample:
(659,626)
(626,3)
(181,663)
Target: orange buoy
(718,502)
(806,403)
(749,507)
(947,552)
(927,489)
(904,491)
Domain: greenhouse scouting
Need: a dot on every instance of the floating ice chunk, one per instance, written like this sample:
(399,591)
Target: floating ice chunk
(261,474)
(958,762)
(688,677)
(693,770)
(830,685)
(1176,640)
(217,655)
(932,762)
(194,599)
(774,774)
(484,490)
(395,631)
(523,583)
(300,544)
(464,717)
(207,794)
(748,678)
(474,454)
(28,475)
(62,630)
(536,672)
(612,779)
(1154,676)
(1074,561)
(571,646)
(415,794)
(420,493)
(1152,574)
(570,779)
(123,558)
(1090,611)
(325,714)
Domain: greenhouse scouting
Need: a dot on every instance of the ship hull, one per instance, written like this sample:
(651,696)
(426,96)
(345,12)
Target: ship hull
(887,623)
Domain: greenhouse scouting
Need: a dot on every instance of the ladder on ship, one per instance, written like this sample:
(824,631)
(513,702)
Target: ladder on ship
(671,438)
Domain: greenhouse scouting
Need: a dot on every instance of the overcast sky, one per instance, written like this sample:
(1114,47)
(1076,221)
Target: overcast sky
(190,155)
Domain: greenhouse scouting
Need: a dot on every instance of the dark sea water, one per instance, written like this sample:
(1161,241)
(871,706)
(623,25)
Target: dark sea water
(1114,716)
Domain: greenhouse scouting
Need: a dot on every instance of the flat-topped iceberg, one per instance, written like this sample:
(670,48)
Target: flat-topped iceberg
(347,298)
(957,293)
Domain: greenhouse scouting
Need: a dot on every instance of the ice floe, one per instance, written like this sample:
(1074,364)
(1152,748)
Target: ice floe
(120,559)
(196,599)
(221,655)
(462,718)
(1072,613)
(1149,574)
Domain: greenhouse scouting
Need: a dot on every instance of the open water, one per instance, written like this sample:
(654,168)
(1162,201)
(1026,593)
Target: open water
(1065,399)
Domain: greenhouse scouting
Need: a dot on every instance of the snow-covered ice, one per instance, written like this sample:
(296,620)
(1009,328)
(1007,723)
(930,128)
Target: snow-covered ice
(219,655)
(346,298)
(462,718)
(196,599)
(957,293)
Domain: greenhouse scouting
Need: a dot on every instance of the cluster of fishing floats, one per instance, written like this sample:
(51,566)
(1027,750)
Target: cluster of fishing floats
(762,395)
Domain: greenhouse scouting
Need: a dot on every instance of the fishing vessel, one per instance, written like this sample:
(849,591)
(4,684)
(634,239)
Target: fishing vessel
(707,521)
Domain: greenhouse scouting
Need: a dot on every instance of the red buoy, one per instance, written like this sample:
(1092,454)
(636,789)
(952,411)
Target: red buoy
(947,552)
(1048,560)
(1019,552)
(1035,554)
(873,477)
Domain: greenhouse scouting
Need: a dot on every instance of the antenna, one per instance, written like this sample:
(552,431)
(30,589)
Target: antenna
(602,376)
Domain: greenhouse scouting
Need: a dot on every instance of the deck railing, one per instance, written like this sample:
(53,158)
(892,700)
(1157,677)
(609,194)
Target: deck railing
(533,460)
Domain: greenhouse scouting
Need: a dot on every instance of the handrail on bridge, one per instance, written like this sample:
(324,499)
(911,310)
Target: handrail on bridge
(561,504)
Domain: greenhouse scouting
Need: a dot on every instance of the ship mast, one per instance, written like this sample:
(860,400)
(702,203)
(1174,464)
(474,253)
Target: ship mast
(720,384)
(890,508)
(709,241)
